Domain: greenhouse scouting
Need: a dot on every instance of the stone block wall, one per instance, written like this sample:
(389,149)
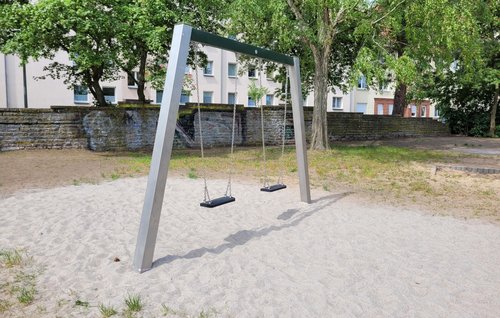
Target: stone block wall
(41,128)
(117,129)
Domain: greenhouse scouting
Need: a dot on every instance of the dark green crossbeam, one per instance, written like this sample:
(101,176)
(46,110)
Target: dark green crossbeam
(235,46)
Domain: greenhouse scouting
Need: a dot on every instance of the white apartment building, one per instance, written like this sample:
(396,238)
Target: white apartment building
(222,81)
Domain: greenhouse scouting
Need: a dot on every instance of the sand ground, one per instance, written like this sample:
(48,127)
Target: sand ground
(266,255)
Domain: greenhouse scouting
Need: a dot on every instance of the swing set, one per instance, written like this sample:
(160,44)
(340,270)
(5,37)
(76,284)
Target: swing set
(266,187)
(182,37)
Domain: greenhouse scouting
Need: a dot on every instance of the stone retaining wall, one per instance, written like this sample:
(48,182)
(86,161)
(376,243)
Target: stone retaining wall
(103,129)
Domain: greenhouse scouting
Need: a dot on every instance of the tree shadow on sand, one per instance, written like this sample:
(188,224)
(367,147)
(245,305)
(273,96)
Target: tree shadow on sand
(244,236)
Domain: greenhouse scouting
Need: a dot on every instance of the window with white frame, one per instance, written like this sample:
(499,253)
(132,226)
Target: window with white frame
(109,94)
(159,96)
(232,70)
(382,86)
(337,103)
(436,112)
(361,108)
(131,80)
(80,94)
(423,111)
(391,109)
(231,98)
(362,82)
(380,109)
(209,69)
(251,102)
(269,99)
(207,97)
(252,72)
(413,110)
(184,98)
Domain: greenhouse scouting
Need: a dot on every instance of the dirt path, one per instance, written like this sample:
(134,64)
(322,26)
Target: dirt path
(41,169)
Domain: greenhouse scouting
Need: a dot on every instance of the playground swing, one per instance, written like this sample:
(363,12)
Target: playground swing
(182,36)
(227,197)
(279,185)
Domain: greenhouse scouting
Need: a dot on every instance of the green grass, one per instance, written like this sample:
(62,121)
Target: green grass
(134,303)
(107,311)
(4,306)
(11,258)
(26,295)
(192,174)
(82,303)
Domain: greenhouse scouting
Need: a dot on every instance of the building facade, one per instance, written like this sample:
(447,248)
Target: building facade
(222,81)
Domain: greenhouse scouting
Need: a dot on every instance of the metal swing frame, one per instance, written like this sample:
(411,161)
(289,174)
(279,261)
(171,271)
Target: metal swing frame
(179,50)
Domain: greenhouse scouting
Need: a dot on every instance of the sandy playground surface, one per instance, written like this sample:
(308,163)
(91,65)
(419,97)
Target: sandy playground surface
(266,255)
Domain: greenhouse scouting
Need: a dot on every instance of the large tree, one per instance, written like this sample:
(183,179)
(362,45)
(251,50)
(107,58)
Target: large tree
(83,29)
(410,38)
(467,93)
(144,32)
(323,33)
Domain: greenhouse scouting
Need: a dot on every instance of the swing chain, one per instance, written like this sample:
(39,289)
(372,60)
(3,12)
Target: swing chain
(231,166)
(206,194)
(266,181)
(282,166)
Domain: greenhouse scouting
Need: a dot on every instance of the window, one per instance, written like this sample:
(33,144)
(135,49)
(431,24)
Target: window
(131,80)
(232,70)
(380,109)
(269,99)
(207,97)
(159,96)
(391,109)
(184,98)
(252,72)
(251,102)
(337,103)
(423,111)
(361,108)
(382,86)
(436,112)
(109,94)
(231,98)
(362,82)
(209,69)
(413,110)
(80,94)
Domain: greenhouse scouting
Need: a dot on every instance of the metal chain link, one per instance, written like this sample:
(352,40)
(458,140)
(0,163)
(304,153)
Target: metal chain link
(231,166)
(206,194)
(282,166)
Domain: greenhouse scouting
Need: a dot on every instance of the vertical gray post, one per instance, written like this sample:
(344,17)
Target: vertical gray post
(299,130)
(150,219)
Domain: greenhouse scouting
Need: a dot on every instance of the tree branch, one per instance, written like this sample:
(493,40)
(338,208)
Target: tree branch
(389,12)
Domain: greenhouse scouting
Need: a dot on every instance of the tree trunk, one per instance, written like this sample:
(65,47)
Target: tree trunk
(141,77)
(399,100)
(98,94)
(95,89)
(493,113)
(319,140)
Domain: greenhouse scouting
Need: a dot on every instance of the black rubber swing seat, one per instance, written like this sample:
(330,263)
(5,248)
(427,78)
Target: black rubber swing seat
(216,202)
(274,187)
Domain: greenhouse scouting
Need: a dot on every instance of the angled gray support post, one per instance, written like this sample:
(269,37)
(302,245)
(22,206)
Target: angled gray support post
(299,130)
(165,131)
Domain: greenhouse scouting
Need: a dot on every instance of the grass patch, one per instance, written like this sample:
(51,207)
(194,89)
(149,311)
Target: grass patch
(26,295)
(82,303)
(192,174)
(133,303)
(11,258)
(107,311)
(4,306)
